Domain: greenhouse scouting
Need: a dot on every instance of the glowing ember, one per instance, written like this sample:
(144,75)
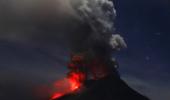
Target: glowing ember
(68,85)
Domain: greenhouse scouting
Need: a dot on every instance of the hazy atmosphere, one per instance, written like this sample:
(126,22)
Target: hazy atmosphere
(35,44)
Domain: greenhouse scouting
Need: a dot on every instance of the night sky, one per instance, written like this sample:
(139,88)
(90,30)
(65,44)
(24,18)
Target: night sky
(145,26)
(27,67)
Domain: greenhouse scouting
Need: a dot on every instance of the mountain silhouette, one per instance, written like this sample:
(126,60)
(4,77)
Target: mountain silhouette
(108,88)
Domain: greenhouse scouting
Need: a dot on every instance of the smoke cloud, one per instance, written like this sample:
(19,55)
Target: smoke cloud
(99,16)
(39,20)
(78,22)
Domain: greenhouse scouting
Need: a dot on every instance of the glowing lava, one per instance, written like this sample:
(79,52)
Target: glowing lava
(72,83)
(76,80)
(57,95)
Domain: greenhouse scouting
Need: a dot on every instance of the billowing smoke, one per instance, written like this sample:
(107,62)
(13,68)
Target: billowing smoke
(82,25)
(98,17)
(79,22)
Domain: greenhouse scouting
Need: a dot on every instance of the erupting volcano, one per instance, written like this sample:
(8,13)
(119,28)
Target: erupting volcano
(80,72)
(92,69)
(85,82)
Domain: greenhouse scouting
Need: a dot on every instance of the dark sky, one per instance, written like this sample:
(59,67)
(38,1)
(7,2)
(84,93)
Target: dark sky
(28,67)
(145,26)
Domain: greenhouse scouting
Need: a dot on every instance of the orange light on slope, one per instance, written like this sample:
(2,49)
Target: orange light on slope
(57,95)
(68,85)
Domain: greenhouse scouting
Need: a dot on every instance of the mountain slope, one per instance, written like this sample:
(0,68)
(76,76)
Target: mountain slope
(109,88)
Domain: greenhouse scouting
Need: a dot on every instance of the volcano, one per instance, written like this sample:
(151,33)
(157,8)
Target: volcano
(92,68)
(103,82)
(108,88)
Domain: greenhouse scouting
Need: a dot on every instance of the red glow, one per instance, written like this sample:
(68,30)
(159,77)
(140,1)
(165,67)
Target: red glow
(68,85)
(57,95)
(75,80)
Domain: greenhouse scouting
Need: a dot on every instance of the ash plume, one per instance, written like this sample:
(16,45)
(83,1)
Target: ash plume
(101,38)
(78,22)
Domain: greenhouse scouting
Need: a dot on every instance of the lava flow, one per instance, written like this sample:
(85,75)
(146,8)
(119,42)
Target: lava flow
(68,85)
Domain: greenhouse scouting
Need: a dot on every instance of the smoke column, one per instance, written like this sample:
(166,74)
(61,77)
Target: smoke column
(79,23)
(98,36)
